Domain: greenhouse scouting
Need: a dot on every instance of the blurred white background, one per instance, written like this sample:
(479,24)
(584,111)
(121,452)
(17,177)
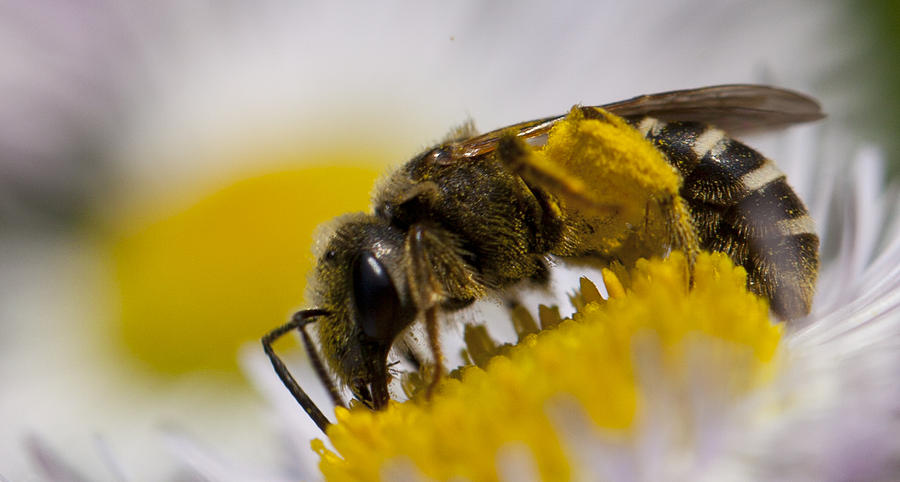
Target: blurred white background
(161,171)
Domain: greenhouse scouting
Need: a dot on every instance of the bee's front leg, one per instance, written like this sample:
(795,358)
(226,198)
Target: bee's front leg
(438,275)
(427,292)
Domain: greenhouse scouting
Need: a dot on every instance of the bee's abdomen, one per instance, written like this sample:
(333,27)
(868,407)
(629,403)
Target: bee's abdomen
(742,205)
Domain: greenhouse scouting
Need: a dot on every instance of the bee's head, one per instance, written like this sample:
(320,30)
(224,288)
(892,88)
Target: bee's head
(361,281)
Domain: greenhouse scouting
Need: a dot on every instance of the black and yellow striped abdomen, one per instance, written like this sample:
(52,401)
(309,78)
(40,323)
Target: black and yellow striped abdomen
(742,205)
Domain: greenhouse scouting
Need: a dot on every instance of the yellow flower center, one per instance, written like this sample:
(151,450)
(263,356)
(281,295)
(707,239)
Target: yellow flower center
(198,280)
(653,310)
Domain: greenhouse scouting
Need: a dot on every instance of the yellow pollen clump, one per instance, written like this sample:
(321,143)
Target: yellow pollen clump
(607,150)
(607,176)
(590,358)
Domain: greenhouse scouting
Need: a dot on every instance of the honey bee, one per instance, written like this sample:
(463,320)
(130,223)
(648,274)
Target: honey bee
(479,213)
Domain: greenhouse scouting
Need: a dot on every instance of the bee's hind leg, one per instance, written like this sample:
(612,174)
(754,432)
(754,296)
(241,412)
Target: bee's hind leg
(514,153)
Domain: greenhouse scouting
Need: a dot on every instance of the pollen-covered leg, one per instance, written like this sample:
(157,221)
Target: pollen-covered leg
(618,194)
(539,171)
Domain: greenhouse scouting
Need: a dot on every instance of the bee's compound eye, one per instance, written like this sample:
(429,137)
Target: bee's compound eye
(376,299)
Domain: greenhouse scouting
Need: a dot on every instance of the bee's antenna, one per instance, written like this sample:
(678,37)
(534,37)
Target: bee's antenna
(298,322)
(317,362)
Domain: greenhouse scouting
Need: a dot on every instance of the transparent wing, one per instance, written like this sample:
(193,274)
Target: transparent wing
(735,108)
(487,142)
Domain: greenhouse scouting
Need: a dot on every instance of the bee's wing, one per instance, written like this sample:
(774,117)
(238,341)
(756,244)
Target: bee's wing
(734,108)
(487,142)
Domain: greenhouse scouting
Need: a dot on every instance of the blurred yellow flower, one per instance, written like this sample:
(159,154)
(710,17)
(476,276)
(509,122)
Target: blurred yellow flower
(199,279)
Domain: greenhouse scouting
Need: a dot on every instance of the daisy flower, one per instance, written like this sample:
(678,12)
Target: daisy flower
(670,381)
(183,153)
